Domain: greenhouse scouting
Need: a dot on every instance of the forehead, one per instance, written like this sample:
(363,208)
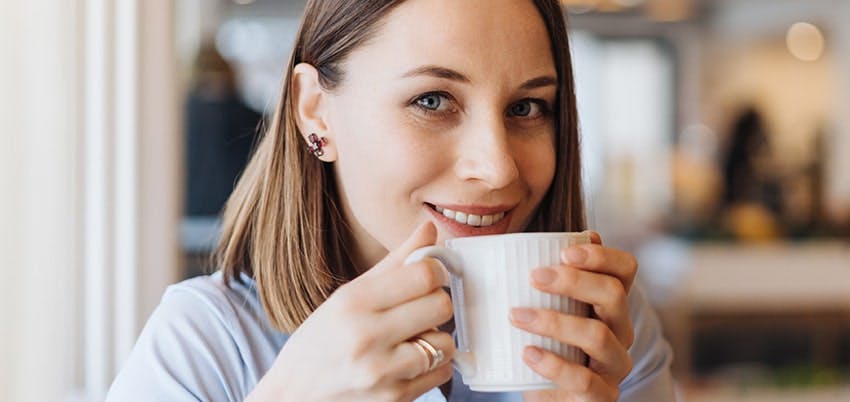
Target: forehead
(505,40)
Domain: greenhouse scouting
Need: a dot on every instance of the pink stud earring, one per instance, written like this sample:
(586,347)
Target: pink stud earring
(316,144)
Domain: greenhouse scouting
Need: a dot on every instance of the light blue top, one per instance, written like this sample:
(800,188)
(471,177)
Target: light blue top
(209,342)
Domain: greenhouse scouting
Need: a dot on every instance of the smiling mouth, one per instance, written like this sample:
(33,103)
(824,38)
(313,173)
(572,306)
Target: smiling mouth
(469,219)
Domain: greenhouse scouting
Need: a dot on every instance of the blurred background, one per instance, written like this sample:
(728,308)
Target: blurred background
(716,138)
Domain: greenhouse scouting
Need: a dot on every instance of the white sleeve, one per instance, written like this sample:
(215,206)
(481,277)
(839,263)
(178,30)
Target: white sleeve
(186,352)
(650,379)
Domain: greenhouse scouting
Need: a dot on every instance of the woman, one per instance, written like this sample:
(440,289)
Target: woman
(392,111)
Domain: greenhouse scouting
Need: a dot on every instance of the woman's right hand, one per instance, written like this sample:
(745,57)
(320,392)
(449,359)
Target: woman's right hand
(356,346)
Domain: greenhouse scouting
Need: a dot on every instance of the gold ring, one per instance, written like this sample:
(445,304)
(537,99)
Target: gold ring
(435,356)
(425,352)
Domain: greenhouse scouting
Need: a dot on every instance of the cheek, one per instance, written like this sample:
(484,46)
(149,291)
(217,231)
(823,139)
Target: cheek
(378,138)
(383,151)
(537,164)
(547,170)
(381,164)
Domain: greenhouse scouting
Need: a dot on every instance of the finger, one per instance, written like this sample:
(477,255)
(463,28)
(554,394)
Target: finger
(597,258)
(389,284)
(605,293)
(424,235)
(588,334)
(397,286)
(570,377)
(410,361)
(427,381)
(417,316)
(595,237)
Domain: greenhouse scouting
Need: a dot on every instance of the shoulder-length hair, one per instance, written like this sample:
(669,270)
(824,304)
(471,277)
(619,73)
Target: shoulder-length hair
(283,226)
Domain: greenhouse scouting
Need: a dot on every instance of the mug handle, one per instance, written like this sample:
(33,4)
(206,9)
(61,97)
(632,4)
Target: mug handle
(464,360)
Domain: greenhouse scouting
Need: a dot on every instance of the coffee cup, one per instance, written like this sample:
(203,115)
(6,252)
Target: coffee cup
(489,275)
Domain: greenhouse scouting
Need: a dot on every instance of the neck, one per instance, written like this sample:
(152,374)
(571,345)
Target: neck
(364,256)
(364,251)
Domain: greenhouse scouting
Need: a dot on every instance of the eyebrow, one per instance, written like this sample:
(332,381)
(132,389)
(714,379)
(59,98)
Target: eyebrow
(539,82)
(438,72)
(449,74)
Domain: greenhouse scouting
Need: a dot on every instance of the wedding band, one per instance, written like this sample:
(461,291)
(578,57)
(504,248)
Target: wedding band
(425,353)
(435,356)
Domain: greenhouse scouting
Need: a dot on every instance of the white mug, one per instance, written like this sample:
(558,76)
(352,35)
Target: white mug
(489,276)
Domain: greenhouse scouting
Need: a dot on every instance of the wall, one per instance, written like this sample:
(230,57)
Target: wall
(89,189)
(39,258)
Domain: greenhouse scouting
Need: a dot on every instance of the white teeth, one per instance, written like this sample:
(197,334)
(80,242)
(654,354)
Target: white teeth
(470,219)
(460,217)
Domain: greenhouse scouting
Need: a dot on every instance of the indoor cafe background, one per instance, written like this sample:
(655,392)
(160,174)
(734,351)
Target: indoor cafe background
(717,149)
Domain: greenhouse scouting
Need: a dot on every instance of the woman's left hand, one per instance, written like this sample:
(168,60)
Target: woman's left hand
(601,277)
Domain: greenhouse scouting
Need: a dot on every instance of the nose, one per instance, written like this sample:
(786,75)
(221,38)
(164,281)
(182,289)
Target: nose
(484,155)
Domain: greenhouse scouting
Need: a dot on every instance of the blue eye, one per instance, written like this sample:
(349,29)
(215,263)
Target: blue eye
(529,108)
(521,109)
(431,102)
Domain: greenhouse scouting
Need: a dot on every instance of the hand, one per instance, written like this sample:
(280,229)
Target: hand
(355,346)
(601,277)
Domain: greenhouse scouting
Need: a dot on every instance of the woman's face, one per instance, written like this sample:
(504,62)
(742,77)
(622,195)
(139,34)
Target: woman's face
(445,115)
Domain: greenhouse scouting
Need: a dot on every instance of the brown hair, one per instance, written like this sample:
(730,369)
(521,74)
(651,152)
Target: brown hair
(283,225)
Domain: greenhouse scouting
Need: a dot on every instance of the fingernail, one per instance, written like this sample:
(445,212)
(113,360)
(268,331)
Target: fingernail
(533,354)
(575,255)
(543,275)
(523,315)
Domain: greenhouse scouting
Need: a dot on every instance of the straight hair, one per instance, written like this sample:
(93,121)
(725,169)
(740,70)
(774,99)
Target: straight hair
(283,225)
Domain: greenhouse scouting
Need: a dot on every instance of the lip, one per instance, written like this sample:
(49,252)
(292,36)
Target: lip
(476,209)
(457,229)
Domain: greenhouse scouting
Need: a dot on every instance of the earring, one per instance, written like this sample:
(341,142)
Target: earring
(316,144)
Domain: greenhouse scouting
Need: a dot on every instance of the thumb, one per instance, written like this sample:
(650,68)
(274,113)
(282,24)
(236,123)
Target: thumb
(424,235)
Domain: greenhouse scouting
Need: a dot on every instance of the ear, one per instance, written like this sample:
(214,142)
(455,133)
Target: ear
(309,100)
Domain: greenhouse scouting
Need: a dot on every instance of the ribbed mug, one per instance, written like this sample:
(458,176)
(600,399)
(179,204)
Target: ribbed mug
(489,276)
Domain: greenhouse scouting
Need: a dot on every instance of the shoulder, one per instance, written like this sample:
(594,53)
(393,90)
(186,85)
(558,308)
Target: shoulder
(209,295)
(650,378)
(204,341)
(205,308)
